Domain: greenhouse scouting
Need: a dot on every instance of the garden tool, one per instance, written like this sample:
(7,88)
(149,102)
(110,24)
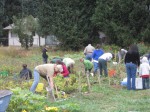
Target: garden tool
(98,76)
(50,91)
(88,80)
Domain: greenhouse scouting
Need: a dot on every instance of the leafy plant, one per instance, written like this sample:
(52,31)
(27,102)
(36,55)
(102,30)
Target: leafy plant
(25,100)
(143,49)
(68,85)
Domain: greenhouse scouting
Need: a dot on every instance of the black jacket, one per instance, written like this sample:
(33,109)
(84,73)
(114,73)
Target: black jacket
(133,57)
(44,55)
(26,73)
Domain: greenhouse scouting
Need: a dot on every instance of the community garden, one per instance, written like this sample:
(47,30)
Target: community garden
(77,93)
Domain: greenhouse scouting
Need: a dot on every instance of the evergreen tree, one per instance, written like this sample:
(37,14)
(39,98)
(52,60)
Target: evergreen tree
(122,21)
(68,20)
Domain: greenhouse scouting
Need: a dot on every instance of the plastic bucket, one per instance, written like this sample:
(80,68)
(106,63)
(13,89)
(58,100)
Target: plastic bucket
(39,87)
(5,96)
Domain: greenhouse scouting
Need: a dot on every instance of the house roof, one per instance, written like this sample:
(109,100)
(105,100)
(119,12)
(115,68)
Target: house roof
(9,27)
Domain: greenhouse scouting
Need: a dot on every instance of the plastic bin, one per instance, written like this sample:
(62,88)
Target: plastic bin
(5,96)
(39,87)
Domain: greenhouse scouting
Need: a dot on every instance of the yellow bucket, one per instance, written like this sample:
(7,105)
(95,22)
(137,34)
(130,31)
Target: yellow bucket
(39,87)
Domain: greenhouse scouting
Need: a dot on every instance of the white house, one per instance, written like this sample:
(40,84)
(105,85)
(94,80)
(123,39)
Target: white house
(13,39)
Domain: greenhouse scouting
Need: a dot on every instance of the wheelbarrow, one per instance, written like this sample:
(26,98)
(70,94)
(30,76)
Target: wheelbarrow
(5,96)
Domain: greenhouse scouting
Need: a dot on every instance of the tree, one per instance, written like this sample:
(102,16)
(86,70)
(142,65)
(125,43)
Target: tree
(122,21)
(25,29)
(67,20)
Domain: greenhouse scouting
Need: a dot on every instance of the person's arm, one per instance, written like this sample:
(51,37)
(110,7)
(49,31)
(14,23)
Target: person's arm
(30,74)
(50,73)
(51,82)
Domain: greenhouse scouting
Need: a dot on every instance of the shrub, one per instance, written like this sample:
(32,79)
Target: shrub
(143,49)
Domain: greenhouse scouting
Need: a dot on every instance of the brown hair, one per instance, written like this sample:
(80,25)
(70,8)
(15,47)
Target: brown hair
(98,46)
(24,65)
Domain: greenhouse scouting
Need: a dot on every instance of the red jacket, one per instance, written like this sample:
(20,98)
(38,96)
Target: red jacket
(65,71)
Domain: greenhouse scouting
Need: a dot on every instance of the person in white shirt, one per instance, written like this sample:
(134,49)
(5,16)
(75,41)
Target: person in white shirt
(102,61)
(121,55)
(144,72)
(69,63)
(88,52)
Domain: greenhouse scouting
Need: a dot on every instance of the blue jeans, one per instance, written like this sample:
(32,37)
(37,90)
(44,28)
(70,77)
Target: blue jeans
(88,56)
(131,74)
(36,81)
(96,67)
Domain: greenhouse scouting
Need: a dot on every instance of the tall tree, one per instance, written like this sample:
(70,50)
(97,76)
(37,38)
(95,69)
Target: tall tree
(68,20)
(25,29)
(122,21)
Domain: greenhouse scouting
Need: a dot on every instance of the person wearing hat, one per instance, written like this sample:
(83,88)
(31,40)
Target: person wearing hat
(45,70)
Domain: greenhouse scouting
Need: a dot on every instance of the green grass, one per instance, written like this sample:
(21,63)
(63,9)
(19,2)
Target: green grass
(102,98)
(108,99)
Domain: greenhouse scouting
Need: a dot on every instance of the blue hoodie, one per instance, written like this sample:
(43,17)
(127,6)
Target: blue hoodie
(97,53)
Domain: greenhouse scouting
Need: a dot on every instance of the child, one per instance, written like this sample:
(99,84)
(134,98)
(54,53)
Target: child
(25,73)
(44,55)
(144,72)
(87,64)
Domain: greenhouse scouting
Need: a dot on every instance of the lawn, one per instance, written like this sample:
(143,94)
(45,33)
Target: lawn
(106,96)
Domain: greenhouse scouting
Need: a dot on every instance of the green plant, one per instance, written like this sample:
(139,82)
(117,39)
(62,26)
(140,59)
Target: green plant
(68,85)
(25,100)
(143,49)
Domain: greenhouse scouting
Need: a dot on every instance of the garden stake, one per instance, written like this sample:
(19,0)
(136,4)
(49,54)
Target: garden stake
(79,82)
(51,92)
(56,91)
(88,81)
(98,76)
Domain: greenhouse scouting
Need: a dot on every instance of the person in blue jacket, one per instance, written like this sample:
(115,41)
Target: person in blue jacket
(96,54)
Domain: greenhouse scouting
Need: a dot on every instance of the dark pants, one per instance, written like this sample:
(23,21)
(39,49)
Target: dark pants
(145,82)
(88,70)
(103,66)
(44,60)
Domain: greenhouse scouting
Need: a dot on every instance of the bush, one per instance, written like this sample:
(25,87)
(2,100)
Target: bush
(143,49)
